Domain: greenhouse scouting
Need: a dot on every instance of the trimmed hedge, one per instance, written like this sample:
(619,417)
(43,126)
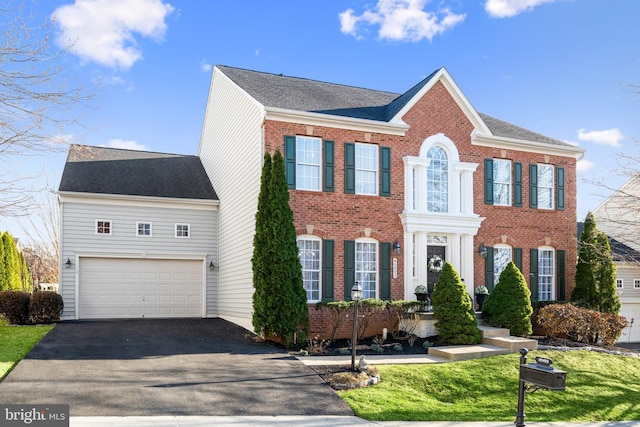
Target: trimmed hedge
(22,308)
(14,306)
(45,307)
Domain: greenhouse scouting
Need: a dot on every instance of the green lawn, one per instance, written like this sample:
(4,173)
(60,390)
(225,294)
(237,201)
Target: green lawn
(600,387)
(15,343)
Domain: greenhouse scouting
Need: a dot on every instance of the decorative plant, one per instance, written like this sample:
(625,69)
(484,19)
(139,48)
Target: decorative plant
(509,304)
(482,290)
(420,289)
(435,264)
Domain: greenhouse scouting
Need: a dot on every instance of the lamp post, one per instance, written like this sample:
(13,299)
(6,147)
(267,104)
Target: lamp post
(356,294)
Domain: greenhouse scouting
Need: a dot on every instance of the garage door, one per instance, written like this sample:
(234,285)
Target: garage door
(631,311)
(135,288)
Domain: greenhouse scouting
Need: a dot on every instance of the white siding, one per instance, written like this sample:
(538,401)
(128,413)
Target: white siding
(79,239)
(231,150)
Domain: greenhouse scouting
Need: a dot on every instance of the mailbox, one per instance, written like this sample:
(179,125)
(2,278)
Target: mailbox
(543,374)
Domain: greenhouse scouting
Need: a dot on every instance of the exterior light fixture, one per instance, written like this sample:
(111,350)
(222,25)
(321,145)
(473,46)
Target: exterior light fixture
(396,247)
(211,266)
(483,250)
(356,295)
(68,263)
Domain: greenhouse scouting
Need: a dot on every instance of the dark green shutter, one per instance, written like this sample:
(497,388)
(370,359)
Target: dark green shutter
(517,184)
(560,276)
(560,188)
(327,270)
(385,271)
(290,160)
(533,186)
(349,168)
(488,269)
(488,182)
(329,164)
(349,267)
(385,171)
(517,258)
(533,277)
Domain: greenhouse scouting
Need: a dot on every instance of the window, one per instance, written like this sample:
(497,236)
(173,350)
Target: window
(143,229)
(367,267)
(501,257)
(103,227)
(310,256)
(545,274)
(366,169)
(619,283)
(545,186)
(308,163)
(437,181)
(636,284)
(182,230)
(501,182)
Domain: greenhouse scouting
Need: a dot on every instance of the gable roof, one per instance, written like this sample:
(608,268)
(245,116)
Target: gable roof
(102,170)
(305,95)
(619,251)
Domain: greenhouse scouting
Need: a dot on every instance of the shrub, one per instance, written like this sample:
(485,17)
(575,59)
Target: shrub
(453,310)
(581,324)
(14,306)
(45,307)
(509,304)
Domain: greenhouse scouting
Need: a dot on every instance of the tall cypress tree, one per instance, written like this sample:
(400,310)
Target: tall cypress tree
(12,262)
(259,261)
(4,278)
(595,271)
(25,274)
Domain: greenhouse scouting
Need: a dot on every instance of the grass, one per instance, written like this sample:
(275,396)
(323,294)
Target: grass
(16,342)
(600,387)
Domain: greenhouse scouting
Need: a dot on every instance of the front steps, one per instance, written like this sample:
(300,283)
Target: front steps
(495,341)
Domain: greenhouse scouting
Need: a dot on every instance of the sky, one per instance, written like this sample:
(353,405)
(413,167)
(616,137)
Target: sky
(562,68)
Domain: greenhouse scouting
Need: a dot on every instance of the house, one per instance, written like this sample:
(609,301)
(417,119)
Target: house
(618,216)
(138,232)
(384,188)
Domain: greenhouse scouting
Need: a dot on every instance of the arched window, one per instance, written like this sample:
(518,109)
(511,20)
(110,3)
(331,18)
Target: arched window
(309,252)
(437,180)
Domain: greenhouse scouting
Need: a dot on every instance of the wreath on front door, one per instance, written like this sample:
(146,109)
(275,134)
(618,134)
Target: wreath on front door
(435,264)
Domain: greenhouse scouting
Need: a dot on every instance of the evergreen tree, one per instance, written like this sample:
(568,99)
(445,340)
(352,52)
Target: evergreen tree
(595,271)
(12,262)
(453,310)
(4,279)
(25,274)
(260,261)
(509,303)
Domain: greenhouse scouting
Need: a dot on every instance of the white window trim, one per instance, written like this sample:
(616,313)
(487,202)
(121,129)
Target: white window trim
(552,297)
(619,283)
(318,239)
(138,223)
(188,236)
(376,170)
(104,221)
(300,163)
(553,180)
(636,283)
(509,184)
(377,271)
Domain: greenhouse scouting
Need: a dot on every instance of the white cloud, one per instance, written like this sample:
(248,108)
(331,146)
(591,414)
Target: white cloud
(509,8)
(400,20)
(611,137)
(127,145)
(204,67)
(584,165)
(103,31)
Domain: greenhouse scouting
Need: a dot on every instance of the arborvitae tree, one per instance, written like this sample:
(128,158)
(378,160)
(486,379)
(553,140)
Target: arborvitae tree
(12,262)
(595,271)
(25,274)
(280,301)
(453,309)
(4,279)
(509,304)
(260,262)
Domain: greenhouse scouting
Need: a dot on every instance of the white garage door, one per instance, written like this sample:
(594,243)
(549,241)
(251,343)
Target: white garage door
(134,288)
(631,310)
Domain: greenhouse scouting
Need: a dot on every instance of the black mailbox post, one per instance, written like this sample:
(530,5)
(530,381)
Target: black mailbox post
(542,375)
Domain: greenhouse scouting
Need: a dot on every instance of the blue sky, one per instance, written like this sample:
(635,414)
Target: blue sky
(563,68)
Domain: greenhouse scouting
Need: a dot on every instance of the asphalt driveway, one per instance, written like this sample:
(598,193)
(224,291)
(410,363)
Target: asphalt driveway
(166,367)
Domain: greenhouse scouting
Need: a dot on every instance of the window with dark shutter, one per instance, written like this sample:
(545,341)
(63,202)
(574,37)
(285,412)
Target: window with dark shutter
(349,168)
(290,160)
(488,181)
(327,270)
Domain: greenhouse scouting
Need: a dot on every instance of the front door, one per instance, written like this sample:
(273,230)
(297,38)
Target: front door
(435,262)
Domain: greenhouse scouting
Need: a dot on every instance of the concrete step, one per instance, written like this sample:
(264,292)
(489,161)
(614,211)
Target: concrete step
(466,352)
(490,331)
(511,343)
